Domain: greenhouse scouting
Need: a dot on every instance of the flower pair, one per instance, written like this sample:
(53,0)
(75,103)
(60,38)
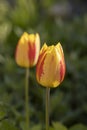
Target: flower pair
(50,68)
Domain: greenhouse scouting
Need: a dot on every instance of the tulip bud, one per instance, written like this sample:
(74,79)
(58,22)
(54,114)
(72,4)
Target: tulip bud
(27,50)
(50,69)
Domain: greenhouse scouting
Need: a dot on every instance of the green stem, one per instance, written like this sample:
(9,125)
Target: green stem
(27,98)
(47,107)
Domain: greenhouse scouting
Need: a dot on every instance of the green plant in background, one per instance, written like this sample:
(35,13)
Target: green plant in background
(24,13)
(5,25)
(69,102)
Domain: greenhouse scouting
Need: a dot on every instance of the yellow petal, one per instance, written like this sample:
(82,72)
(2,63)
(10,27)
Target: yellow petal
(50,76)
(31,38)
(24,38)
(39,67)
(37,46)
(44,48)
(60,49)
(22,53)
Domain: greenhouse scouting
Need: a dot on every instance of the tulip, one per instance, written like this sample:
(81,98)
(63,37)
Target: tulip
(50,71)
(27,50)
(27,53)
(50,68)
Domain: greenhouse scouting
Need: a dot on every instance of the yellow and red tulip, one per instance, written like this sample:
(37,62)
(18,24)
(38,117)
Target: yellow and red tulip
(27,50)
(50,69)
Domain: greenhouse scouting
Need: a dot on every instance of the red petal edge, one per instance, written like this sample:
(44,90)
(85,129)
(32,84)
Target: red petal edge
(62,71)
(40,63)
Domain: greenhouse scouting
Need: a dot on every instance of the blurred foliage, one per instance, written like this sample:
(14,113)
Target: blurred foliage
(69,101)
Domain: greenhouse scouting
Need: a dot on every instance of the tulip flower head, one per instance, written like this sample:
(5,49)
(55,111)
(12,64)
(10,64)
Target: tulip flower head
(50,69)
(27,50)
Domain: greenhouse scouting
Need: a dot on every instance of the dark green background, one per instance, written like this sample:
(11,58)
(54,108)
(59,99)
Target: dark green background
(55,20)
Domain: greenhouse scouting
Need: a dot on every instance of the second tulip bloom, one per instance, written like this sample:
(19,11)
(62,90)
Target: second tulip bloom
(50,69)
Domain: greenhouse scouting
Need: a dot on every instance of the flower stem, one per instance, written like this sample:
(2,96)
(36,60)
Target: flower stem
(47,107)
(27,98)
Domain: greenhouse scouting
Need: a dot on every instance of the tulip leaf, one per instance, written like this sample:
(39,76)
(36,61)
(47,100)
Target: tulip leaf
(78,127)
(51,128)
(36,127)
(22,125)
(59,126)
(7,125)
(2,112)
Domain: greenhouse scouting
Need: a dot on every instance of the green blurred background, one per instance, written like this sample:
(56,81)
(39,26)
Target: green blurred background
(54,20)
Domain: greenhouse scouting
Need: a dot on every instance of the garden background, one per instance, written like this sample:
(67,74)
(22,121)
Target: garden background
(54,20)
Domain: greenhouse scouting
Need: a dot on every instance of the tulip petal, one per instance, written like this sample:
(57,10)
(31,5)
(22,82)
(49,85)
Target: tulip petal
(62,70)
(50,76)
(37,47)
(31,51)
(21,51)
(39,69)
(34,48)
(62,62)
(60,49)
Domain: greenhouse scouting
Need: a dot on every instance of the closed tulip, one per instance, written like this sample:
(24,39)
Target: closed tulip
(50,69)
(27,50)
